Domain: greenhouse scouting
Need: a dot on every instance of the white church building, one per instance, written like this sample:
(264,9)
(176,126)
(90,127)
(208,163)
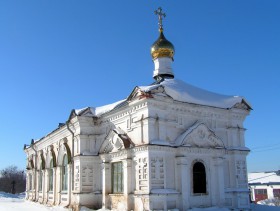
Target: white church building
(169,145)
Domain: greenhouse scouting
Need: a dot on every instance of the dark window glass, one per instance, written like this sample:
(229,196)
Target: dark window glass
(276,193)
(199,178)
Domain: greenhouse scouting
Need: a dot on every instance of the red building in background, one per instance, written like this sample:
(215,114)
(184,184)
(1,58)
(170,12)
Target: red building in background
(264,185)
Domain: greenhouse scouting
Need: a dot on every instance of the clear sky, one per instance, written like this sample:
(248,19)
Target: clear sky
(60,55)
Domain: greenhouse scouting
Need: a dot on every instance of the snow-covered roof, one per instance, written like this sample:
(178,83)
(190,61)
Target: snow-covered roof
(183,92)
(177,90)
(264,177)
(98,111)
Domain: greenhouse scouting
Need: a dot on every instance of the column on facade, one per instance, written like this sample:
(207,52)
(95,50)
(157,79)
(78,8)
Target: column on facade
(252,191)
(183,181)
(127,180)
(106,184)
(154,128)
(54,185)
(127,175)
(29,184)
(270,194)
(217,182)
(37,185)
(33,186)
(44,188)
(47,186)
(69,179)
(58,185)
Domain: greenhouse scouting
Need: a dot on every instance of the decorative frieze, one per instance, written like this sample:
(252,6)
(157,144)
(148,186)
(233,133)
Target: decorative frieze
(241,173)
(77,178)
(142,174)
(87,178)
(157,172)
(132,110)
(195,150)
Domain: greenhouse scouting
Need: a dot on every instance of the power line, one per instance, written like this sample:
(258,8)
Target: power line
(265,146)
(262,177)
(264,150)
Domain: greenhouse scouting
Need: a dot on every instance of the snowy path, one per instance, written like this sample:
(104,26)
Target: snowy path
(21,205)
(9,202)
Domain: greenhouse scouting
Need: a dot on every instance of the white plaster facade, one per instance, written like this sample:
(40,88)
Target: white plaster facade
(158,140)
(151,151)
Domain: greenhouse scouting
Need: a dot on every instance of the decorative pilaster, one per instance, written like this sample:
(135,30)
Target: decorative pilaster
(33,186)
(106,184)
(58,185)
(127,176)
(69,179)
(44,188)
(54,185)
(127,165)
(218,188)
(141,175)
(183,181)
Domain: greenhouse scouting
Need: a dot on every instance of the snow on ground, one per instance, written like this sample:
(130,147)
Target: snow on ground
(10,202)
(258,207)
(210,209)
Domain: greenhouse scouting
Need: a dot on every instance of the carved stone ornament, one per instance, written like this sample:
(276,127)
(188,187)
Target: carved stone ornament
(116,140)
(199,135)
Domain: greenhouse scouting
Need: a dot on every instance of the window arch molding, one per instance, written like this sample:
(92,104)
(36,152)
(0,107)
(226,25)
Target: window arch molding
(41,162)
(63,150)
(51,155)
(30,164)
(199,177)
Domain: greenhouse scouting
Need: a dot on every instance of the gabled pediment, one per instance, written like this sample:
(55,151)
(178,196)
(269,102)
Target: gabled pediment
(116,140)
(243,105)
(199,135)
(137,93)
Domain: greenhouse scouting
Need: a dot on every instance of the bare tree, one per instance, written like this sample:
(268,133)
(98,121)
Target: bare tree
(12,180)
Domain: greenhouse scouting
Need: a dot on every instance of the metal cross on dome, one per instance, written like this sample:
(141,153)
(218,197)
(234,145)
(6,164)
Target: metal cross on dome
(160,15)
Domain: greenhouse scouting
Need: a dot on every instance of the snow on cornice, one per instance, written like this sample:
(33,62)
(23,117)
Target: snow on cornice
(98,111)
(179,91)
(183,92)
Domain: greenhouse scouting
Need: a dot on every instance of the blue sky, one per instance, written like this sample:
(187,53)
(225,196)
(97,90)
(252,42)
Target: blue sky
(60,55)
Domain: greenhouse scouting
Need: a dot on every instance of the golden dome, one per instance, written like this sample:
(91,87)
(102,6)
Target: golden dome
(162,47)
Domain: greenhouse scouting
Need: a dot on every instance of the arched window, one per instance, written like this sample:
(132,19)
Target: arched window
(51,176)
(65,173)
(199,178)
(40,178)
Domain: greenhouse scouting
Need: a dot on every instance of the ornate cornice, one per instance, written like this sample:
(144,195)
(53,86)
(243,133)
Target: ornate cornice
(112,117)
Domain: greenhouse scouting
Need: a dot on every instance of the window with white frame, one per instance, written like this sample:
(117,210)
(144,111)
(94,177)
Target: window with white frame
(64,173)
(117,177)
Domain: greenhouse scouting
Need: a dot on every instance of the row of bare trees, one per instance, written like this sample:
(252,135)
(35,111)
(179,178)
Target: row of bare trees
(12,180)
